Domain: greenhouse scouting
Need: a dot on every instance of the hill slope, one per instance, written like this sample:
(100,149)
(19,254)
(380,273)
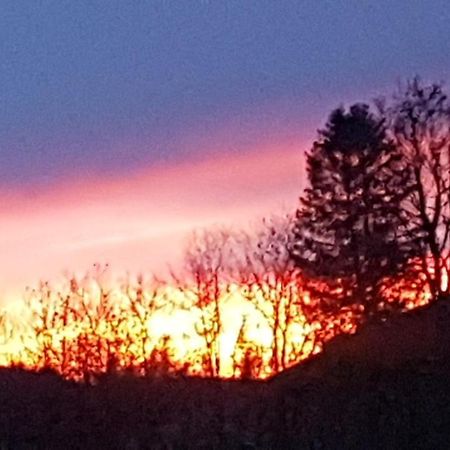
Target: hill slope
(386,387)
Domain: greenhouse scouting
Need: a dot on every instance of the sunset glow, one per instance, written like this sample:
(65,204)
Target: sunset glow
(86,325)
(137,223)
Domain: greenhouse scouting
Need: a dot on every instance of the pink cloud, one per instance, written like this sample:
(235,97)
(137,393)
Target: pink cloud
(138,223)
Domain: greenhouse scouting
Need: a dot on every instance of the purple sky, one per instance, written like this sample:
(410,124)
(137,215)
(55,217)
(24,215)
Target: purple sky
(125,124)
(105,87)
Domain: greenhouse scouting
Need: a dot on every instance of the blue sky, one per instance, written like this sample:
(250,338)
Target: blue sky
(107,87)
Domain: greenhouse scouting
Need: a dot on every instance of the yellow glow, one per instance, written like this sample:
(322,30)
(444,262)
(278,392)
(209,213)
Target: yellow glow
(166,325)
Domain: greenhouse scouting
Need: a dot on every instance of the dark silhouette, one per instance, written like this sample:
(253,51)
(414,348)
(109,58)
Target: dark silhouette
(361,392)
(373,226)
(419,126)
(351,227)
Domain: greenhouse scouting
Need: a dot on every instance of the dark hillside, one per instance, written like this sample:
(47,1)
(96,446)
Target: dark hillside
(386,387)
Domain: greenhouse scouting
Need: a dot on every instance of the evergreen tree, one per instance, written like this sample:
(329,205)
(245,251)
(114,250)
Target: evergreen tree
(351,225)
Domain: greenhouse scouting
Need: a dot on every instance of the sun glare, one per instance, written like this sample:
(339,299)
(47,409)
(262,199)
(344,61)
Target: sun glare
(245,330)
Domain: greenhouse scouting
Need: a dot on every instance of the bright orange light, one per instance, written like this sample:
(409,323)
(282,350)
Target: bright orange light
(246,331)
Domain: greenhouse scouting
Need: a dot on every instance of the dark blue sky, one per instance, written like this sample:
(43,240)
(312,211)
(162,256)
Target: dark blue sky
(104,86)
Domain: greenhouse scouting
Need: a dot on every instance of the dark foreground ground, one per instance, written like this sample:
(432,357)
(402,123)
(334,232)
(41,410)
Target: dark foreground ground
(388,387)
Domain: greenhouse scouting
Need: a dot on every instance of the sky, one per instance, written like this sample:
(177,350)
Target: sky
(123,125)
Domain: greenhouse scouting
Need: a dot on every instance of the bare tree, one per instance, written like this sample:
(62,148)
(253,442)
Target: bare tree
(206,259)
(419,125)
(276,288)
(141,303)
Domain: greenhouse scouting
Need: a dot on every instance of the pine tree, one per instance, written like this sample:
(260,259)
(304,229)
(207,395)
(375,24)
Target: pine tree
(351,225)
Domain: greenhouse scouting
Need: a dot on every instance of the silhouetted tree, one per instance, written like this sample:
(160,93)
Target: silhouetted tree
(205,259)
(351,225)
(419,126)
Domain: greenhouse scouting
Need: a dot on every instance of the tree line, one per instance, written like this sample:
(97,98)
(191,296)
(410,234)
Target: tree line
(370,238)
(378,201)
